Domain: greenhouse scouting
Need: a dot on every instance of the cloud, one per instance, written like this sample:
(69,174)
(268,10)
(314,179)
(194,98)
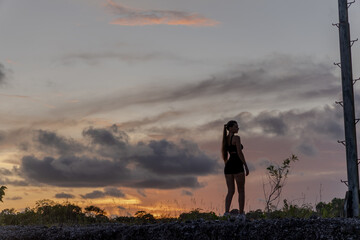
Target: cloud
(64,195)
(112,192)
(2,74)
(108,159)
(73,171)
(318,122)
(7,181)
(94,58)
(186,193)
(28,98)
(5,172)
(277,81)
(271,124)
(51,141)
(167,115)
(166,158)
(104,137)
(308,148)
(15,198)
(93,195)
(136,17)
(141,192)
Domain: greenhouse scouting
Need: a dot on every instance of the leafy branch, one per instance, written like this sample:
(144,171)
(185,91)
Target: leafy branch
(276,176)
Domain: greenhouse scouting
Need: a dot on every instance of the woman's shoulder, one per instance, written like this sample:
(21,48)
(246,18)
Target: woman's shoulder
(236,137)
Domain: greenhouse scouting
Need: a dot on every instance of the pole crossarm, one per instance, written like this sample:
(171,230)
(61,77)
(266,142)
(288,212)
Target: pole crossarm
(355,80)
(350,3)
(340,103)
(353,41)
(343,142)
(337,64)
(346,182)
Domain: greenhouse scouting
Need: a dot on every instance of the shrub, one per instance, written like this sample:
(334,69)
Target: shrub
(305,211)
(196,214)
(331,209)
(254,215)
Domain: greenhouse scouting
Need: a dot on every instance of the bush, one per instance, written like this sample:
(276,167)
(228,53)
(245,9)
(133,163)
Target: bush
(196,214)
(335,208)
(254,215)
(305,211)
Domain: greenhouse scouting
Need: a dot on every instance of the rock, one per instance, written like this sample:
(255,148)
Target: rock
(293,228)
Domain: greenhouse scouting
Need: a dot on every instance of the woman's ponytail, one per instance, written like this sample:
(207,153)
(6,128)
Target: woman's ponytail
(224,148)
(224,151)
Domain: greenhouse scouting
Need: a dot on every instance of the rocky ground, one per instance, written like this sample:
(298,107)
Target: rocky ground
(316,228)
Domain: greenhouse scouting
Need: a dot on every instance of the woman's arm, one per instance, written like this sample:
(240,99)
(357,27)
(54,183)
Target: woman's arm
(241,154)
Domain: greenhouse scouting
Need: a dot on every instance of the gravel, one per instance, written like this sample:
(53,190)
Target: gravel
(316,228)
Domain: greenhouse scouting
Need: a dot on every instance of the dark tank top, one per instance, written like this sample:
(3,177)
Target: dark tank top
(232,148)
(234,164)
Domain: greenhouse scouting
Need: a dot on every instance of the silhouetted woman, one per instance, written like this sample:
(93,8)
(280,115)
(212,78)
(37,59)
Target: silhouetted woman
(234,166)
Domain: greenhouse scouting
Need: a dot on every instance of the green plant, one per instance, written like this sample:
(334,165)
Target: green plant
(253,215)
(290,210)
(145,217)
(331,209)
(196,214)
(277,176)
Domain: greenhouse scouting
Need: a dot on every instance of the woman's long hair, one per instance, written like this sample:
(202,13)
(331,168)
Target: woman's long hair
(224,145)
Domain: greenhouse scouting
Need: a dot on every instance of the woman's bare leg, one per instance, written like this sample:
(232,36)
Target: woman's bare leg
(231,190)
(240,182)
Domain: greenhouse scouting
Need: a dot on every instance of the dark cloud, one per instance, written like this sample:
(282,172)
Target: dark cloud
(141,192)
(7,181)
(93,195)
(110,160)
(2,136)
(136,17)
(2,74)
(112,192)
(64,195)
(186,193)
(271,124)
(121,208)
(107,137)
(307,148)
(51,141)
(326,121)
(5,172)
(167,158)
(15,198)
(73,171)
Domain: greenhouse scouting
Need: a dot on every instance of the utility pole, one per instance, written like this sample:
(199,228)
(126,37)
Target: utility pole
(352,196)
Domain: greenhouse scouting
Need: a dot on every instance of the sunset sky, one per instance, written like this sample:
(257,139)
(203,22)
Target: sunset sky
(121,103)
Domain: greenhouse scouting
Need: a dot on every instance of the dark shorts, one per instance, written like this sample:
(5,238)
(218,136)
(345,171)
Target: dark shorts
(234,165)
